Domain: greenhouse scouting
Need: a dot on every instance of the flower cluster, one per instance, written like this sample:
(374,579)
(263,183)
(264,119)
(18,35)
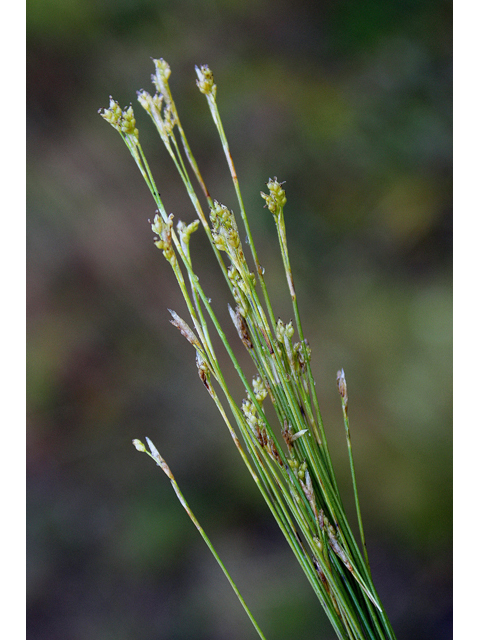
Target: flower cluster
(205,81)
(123,120)
(163,239)
(276,199)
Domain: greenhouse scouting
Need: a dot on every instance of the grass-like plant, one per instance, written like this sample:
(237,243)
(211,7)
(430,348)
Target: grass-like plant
(295,478)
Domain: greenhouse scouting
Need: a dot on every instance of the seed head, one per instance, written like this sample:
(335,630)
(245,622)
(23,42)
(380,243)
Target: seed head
(185,231)
(164,239)
(280,330)
(224,228)
(139,446)
(113,114)
(160,78)
(259,389)
(128,122)
(289,330)
(276,199)
(146,100)
(205,81)
(122,120)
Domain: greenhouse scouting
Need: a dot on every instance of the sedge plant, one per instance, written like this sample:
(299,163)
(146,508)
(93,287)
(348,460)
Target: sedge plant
(289,461)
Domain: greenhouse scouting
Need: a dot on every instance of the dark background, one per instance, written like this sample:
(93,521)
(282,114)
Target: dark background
(350,103)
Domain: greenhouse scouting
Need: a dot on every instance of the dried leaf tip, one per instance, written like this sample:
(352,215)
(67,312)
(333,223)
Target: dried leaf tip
(342,387)
(299,434)
(204,372)
(184,329)
(241,326)
(154,451)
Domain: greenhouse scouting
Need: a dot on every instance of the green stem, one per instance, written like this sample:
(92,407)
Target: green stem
(354,481)
(258,267)
(161,463)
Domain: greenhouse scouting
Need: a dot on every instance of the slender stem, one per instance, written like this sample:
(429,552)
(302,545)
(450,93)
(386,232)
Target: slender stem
(354,481)
(260,271)
(161,463)
(280,223)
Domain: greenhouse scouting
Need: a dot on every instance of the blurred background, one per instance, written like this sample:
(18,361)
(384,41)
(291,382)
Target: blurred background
(350,103)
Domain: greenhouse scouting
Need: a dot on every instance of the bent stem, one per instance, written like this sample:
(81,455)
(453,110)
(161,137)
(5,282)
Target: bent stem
(154,454)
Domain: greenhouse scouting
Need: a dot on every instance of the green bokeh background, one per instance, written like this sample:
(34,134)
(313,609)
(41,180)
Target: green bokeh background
(350,103)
